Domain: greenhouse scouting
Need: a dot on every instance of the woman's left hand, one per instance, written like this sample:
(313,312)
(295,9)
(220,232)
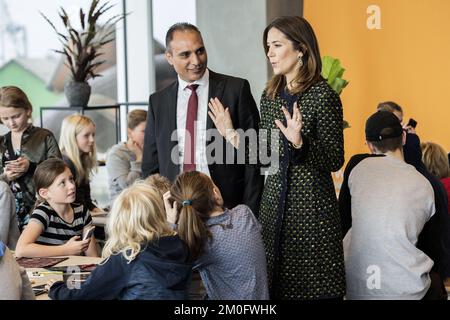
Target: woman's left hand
(293,125)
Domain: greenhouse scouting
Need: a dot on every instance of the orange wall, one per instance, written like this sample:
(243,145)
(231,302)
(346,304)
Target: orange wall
(407,61)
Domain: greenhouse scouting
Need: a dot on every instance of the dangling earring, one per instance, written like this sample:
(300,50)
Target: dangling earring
(300,61)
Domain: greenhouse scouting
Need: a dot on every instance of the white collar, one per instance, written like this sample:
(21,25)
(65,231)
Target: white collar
(202,82)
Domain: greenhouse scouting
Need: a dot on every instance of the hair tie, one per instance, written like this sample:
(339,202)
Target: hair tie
(186,203)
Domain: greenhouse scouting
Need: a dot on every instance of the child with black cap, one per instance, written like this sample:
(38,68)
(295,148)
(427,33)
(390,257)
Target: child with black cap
(384,204)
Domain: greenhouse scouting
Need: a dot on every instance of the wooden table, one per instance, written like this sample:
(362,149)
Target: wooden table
(44,278)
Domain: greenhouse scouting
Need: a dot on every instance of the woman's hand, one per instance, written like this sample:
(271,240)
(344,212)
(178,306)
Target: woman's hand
(171,210)
(75,247)
(222,120)
(293,125)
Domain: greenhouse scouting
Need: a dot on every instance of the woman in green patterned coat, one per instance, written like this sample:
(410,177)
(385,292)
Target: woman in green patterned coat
(299,209)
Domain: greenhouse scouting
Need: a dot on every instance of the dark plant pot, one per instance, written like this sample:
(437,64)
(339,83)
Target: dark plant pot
(77,93)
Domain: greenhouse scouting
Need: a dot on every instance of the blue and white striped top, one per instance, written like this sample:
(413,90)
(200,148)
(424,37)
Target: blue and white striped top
(56,230)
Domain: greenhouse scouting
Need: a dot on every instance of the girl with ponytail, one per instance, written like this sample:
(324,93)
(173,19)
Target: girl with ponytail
(226,244)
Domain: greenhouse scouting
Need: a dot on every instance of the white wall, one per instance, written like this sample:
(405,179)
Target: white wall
(232,31)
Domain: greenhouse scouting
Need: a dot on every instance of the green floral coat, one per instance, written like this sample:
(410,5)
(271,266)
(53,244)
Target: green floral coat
(299,209)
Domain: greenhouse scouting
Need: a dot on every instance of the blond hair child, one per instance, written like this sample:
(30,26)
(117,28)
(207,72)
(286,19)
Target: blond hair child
(145,258)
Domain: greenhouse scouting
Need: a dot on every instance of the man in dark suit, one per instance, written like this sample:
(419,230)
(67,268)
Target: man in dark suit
(180,112)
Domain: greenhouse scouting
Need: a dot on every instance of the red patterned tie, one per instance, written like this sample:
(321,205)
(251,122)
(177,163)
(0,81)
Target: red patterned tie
(189,140)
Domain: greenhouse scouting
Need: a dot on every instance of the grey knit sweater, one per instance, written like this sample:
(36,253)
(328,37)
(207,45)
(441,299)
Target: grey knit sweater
(122,167)
(9,230)
(14,283)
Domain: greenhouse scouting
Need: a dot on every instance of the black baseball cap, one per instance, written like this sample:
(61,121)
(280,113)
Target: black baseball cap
(383,125)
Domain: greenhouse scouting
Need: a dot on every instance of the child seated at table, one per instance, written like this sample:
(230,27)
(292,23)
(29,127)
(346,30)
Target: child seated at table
(56,224)
(227,243)
(145,258)
(79,152)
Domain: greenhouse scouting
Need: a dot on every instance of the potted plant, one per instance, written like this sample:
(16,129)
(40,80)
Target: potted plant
(82,48)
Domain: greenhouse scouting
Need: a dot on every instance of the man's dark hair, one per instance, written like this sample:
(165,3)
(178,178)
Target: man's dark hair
(390,144)
(180,26)
(390,106)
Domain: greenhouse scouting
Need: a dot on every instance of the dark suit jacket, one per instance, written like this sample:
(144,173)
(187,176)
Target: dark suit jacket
(238,183)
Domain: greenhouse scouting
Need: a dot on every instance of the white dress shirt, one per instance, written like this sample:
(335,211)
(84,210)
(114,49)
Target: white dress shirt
(202,113)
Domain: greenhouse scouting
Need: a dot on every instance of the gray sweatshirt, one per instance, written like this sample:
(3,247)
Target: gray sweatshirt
(14,283)
(123,169)
(391,202)
(9,230)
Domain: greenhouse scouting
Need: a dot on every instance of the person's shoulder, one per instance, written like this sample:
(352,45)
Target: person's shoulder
(165,91)
(322,90)
(357,158)
(117,148)
(40,132)
(43,209)
(363,162)
(242,210)
(4,187)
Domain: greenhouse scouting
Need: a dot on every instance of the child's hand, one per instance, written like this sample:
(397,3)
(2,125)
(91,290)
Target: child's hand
(20,165)
(11,174)
(49,284)
(136,149)
(171,210)
(75,247)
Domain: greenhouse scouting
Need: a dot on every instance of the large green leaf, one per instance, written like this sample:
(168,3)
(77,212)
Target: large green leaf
(333,72)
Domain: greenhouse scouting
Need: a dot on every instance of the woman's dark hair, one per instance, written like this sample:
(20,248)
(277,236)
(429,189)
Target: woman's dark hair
(300,33)
(194,195)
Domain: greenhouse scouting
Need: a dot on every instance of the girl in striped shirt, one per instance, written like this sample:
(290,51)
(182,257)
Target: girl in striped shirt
(56,224)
